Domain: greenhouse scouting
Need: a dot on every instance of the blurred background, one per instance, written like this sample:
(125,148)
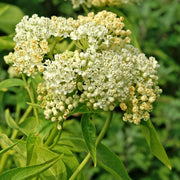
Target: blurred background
(156,25)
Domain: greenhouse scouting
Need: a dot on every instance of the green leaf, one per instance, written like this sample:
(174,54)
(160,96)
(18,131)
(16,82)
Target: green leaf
(55,172)
(18,151)
(111,163)
(9,16)
(44,128)
(89,134)
(31,144)
(10,83)
(6,42)
(82,108)
(154,142)
(29,171)
(11,123)
(69,160)
(28,125)
(8,148)
(74,144)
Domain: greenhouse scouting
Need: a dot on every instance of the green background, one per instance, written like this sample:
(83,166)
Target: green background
(156,25)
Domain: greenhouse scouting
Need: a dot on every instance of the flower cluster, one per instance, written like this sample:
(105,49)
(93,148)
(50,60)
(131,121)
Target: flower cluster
(104,71)
(33,34)
(102,80)
(100,3)
(100,31)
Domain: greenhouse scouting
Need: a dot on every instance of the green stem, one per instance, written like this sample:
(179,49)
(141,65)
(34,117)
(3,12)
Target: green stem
(80,167)
(53,134)
(51,52)
(98,140)
(31,98)
(71,45)
(104,129)
(56,139)
(57,40)
(85,8)
(18,110)
(28,110)
(3,161)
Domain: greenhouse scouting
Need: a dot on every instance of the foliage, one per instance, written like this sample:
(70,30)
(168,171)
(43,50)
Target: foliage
(23,143)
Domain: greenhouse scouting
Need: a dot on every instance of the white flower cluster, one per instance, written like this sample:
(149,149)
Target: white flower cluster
(33,34)
(31,39)
(103,72)
(102,80)
(100,3)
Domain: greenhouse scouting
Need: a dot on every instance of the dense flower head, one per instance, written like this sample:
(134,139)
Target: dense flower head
(33,35)
(100,3)
(102,80)
(104,71)
(100,31)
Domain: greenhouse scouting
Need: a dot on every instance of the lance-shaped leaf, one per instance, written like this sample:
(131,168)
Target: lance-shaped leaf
(10,83)
(111,162)
(29,171)
(8,148)
(89,134)
(154,143)
(55,172)
(11,123)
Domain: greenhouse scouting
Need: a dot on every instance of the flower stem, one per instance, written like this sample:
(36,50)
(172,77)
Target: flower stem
(18,110)
(53,134)
(56,139)
(104,129)
(98,140)
(28,110)
(70,45)
(31,98)
(85,8)
(56,40)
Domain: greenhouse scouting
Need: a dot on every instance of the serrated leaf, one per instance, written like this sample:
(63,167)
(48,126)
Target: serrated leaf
(8,148)
(6,42)
(10,15)
(154,143)
(11,122)
(29,171)
(10,83)
(89,135)
(111,163)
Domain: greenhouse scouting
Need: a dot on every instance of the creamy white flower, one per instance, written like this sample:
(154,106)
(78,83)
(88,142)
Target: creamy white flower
(104,71)
(107,79)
